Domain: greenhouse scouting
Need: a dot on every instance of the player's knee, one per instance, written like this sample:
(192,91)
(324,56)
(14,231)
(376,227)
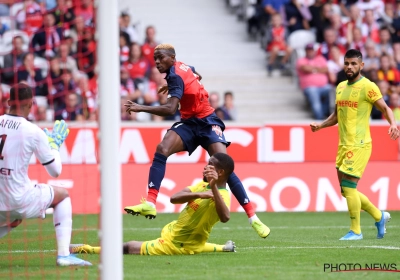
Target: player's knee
(64,193)
(16,223)
(60,193)
(348,183)
(163,149)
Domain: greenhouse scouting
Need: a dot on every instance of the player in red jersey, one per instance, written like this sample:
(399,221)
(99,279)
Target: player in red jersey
(199,126)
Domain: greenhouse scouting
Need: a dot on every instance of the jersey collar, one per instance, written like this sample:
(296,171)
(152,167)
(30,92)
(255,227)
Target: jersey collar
(168,72)
(355,81)
(12,115)
(220,188)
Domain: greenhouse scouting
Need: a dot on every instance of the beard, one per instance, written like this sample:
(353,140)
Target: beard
(352,75)
(205,179)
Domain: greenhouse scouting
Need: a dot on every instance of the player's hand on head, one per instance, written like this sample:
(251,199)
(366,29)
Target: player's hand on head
(211,174)
(314,127)
(163,89)
(132,107)
(394,132)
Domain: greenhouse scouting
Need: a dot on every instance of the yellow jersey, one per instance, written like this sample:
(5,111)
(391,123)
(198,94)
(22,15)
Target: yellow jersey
(354,104)
(196,220)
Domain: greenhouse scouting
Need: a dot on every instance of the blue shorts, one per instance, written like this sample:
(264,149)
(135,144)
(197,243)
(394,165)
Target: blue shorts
(195,132)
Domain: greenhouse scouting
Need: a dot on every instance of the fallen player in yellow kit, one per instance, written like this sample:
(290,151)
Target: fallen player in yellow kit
(207,203)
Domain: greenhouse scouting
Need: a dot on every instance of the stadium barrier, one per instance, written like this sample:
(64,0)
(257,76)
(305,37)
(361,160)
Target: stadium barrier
(283,168)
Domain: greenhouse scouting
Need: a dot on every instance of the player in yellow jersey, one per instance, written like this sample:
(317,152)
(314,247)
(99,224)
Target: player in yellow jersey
(207,203)
(354,100)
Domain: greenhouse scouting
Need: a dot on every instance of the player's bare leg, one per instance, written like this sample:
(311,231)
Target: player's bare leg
(128,248)
(239,192)
(132,247)
(62,218)
(171,144)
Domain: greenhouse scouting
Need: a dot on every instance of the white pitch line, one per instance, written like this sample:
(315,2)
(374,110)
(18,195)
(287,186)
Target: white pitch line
(320,247)
(27,251)
(247,248)
(218,228)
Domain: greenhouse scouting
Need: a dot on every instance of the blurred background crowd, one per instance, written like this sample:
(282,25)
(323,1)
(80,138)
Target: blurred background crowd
(50,45)
(308,39)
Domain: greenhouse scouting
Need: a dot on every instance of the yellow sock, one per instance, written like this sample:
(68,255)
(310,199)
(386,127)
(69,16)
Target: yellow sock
(354,206)
(368,207)
(210,247)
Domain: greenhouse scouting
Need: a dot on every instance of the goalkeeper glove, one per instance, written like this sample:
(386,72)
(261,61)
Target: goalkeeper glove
(58,135)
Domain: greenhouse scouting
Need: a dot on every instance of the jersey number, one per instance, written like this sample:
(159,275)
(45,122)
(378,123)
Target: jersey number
(2,141)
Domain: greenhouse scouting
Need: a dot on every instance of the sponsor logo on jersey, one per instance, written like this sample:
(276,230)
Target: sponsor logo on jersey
(217,130)
(347,103)
(5,171)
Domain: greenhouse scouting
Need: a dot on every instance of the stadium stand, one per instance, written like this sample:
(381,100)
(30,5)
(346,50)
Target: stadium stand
(371,26)
(61,37)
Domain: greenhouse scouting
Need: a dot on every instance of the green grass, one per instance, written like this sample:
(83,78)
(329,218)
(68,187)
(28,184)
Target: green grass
(298,247)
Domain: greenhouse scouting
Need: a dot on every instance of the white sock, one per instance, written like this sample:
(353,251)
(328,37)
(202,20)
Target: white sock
(253,218)
(4,231)
(62,218)
(151,204)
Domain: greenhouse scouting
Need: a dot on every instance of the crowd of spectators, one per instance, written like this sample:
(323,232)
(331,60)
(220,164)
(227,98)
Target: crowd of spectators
(227,111)
(49,44)
(371,26)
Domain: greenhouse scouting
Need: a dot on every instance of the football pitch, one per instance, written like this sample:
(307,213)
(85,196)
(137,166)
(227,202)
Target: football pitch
(300,246)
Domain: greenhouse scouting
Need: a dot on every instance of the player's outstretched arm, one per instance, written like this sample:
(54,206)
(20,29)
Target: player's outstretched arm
(187,195)
(330,121)
(167,109)
(381,105)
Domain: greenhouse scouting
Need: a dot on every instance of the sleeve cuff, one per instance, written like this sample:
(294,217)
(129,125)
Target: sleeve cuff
(47,163)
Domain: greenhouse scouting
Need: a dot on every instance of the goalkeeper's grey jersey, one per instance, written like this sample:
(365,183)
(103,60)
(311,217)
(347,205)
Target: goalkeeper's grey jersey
(19,140)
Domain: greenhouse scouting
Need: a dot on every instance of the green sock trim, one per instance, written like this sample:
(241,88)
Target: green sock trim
(348,184)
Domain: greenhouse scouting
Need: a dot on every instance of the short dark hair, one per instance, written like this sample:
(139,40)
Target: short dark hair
(228,93)
(225,162)
(18,37)
(353,53)
(20,92)
(26,55)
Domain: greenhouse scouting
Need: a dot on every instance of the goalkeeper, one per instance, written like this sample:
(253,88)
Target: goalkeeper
(19,197)
(206,205)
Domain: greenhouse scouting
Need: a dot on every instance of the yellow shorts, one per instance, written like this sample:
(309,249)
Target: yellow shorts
(352,160)
(163,245)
